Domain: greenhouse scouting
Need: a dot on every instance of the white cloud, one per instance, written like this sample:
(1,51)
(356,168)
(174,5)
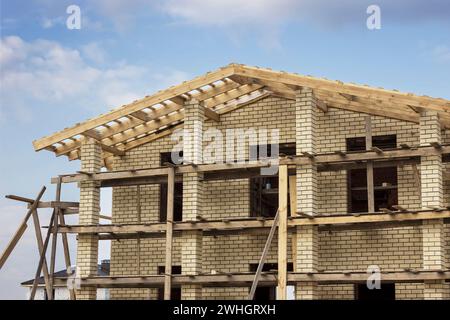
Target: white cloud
(94,52)
(44,71)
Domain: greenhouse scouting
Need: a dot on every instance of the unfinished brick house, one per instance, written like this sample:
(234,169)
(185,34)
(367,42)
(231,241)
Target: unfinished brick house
(363,181)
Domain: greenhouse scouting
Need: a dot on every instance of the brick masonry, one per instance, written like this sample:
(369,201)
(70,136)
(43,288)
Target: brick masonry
(390,249)
(87,250)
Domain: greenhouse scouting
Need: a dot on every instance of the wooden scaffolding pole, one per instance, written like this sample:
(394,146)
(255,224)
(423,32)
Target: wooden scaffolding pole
(40,243)
(55,238)
(169,233)
(139,220)
(370,188)
(282,232)
(262,260)
(42,259)
(21,230)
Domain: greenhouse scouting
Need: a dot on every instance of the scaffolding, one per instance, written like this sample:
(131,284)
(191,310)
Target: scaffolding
(405,155)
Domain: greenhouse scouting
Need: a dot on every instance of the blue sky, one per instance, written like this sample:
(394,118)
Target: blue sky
(52,77)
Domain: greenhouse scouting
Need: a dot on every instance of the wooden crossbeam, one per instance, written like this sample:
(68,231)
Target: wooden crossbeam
(135,106)
(249,223)
(20,231)
(267,279)
(324,158)
(211,114)
(114,151)
(438,104)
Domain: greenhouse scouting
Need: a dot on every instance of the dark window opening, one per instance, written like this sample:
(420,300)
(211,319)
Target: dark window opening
(166,157)
(46,295)
(264,190)
(384,179)
(175,292)
(386,292)
(267,293)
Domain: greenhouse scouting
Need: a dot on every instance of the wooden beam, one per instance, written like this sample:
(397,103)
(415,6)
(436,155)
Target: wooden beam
(169,233)
(211,114)
(251,223)
(262,260)
(114,151)
(42,254)
(267,279)
(293,211)
(20,231)
(320,159)
(438,104)
(370,186)
(282,232)
(135,106)
(232,94)
(322,106)
(40,245)
(141,115)
(92,133)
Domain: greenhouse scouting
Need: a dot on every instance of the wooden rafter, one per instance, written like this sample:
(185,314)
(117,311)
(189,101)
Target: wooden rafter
(224,90)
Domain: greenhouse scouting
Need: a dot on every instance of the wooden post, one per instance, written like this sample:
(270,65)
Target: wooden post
(139,220)
(293,205)
(262,260)
(42,257)
(20,231)
(370,189)
(169,233)
(282,232)
(65,243)
(55,237)
(40,243)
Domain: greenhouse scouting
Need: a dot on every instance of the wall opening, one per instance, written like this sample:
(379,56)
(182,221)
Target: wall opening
(264,190)
(384,178)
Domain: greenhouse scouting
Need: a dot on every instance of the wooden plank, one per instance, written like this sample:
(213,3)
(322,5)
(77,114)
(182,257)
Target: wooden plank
(40,245)
(262,260)
(282,232)
(438,104)
(65,242)
(169,233)
(370,187)
(42,254)
(325,158)
(293,203)
(132,107)
(251,223)
(267,279)
(20,231)
(210,114)
(112,150)
(55,237)
(12,243)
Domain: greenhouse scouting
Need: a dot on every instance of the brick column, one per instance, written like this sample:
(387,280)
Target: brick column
(307,236)
(87,249)
(191,250)
(433,236)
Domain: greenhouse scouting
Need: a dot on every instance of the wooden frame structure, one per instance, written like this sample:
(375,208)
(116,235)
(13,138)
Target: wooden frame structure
(223,91)
(171,229)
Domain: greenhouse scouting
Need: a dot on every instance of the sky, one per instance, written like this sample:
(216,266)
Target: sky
(52,77)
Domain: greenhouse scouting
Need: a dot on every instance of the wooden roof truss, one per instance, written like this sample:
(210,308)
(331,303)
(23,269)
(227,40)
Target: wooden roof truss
(223,91)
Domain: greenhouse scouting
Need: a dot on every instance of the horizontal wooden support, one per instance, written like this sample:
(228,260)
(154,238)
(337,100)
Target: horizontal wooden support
(325,159)
(212,115)
(57,204)
(220,279)
(252,223)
